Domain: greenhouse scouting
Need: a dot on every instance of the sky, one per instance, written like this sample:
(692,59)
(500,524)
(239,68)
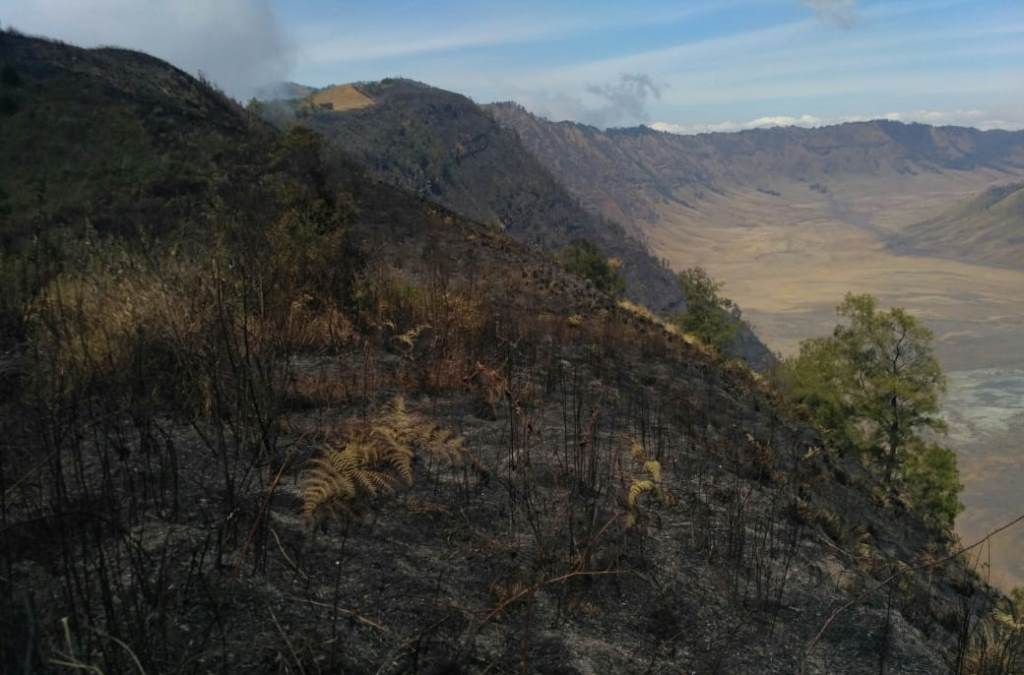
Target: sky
(683,66)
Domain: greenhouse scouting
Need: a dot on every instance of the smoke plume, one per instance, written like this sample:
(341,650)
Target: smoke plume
(623,102)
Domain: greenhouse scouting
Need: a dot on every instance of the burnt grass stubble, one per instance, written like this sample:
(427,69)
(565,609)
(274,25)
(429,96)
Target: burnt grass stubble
(148,528)
(135,541)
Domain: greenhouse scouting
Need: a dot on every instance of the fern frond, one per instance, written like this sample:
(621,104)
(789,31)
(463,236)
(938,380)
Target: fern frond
(393,449)
(327,481)
(651,481)
(373,483)
(377,454)
(443,444)
(638,451)
(1008,620)
(638,488)
(401,462)
(408,338)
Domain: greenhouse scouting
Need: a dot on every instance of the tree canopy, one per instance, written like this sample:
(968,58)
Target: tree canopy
(710,316)
(585,259)
(874,386)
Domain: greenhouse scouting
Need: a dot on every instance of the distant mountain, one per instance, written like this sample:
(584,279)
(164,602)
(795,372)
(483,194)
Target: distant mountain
(987,229)
(627,174)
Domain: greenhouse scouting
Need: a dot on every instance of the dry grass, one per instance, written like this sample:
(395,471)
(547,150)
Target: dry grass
(668,326)
(89,325)
(341,97)
(997,647)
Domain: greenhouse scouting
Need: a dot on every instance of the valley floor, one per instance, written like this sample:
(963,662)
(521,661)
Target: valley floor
(788,260)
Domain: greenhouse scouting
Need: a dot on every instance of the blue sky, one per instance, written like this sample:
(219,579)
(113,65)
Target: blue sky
(681,66)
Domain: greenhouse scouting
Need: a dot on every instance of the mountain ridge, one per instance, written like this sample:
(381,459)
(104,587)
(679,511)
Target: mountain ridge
(986,229)
(640,167)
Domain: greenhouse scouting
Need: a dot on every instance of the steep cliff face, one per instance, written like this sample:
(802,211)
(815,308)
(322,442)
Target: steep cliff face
(524,476)
(626,173)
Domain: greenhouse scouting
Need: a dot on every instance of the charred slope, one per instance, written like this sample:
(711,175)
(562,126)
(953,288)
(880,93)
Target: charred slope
(569,487)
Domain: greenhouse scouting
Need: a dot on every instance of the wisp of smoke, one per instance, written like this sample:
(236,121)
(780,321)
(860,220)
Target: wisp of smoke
(842,13)
(625,101)
(238,44)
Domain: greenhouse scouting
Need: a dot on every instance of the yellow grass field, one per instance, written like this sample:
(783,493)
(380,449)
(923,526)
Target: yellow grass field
(341,97)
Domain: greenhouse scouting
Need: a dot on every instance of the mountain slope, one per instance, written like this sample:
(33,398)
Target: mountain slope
(149,164)
(628,173)
(442,146)
(987,229)
(569,488)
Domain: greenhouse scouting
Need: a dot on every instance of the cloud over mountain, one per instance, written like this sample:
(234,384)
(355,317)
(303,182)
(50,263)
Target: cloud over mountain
(980,119)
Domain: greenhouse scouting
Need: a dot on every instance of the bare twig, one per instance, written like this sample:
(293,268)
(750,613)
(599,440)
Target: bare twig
(895,575)
(355,615)
(295,657)
(261,515)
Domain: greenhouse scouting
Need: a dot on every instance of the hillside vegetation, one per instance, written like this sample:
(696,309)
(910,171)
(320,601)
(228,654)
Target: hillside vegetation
(304,422)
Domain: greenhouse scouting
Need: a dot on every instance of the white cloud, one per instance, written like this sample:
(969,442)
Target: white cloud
(842,13)
(329,44)
(969,118)
(758,123)
(787,121)
(784,55)
(239,44)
